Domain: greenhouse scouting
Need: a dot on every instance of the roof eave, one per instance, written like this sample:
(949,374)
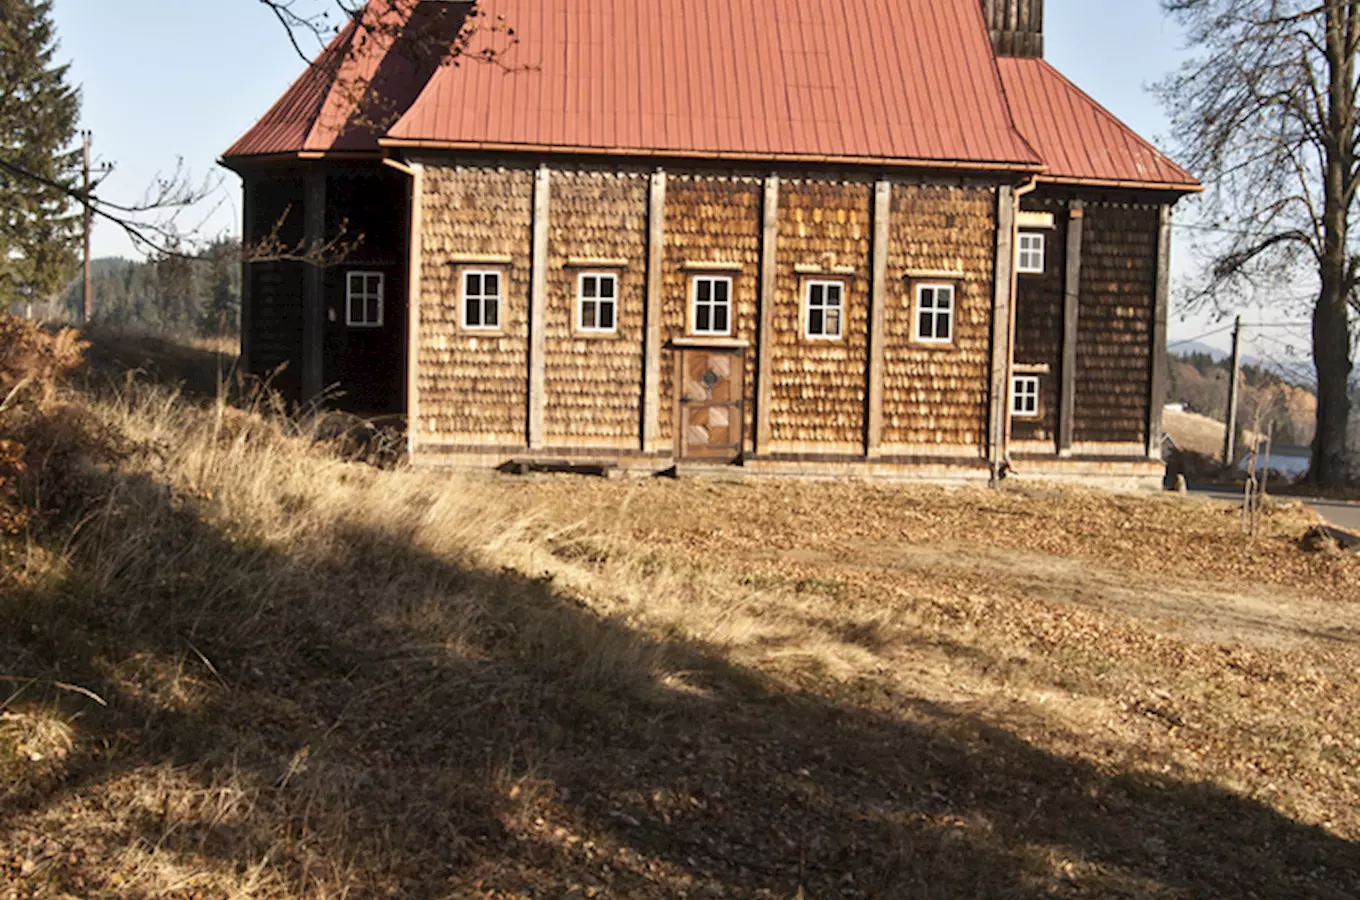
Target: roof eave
(1119,184)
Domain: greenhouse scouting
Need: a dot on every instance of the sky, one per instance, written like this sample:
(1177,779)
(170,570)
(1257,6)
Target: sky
(165,80)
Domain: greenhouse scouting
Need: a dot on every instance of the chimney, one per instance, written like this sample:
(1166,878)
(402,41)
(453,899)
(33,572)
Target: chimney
(1017,26)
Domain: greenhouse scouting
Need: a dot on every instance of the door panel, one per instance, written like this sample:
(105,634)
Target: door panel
(711,404)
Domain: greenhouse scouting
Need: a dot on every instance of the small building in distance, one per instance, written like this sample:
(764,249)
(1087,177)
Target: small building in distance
(875,237)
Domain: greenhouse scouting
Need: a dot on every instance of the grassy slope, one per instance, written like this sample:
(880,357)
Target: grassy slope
(324,680)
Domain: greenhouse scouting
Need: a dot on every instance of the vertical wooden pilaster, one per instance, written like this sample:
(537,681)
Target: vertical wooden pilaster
(1160,303)
(538,307)
(764,330)
(249,189)
(878,300)
(651,348)
(416,247)
(1002,288)
(313,287)
(1067,411)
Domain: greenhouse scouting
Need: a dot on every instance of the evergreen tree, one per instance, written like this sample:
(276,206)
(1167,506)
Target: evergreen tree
(39,230)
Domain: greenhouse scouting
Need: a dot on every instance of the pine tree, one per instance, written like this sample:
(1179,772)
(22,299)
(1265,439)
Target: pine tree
(39,227)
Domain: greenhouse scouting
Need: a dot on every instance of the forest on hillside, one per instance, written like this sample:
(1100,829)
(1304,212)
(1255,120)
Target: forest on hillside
(171,295)
(1200,381)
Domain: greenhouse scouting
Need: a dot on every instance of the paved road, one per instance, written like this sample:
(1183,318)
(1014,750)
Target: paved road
(1343,515)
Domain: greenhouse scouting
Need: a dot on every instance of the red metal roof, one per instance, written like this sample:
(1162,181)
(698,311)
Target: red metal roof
(885,80)
(1078,139)
(362,81)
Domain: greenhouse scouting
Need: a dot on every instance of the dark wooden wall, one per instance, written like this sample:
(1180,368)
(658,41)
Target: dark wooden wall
(275,317)
(1114,335)
(1039,325)
(1016,26)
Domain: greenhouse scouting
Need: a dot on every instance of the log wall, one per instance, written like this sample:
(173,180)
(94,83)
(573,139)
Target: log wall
(1039,326)
(276,286)
(474,387)
(936,396)
(818,398)
(1114,334)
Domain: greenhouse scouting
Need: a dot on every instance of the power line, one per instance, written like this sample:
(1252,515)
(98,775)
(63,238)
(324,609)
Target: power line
(1191,340)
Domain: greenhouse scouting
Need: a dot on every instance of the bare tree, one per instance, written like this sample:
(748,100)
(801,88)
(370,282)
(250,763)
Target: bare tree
(1267,111)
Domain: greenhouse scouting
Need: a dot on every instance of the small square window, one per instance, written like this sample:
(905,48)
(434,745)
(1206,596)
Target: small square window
(824,302)
(711,305)
(482,299)
(364,299)
(1025,396)
(597,302)
(935,313)
(1031,254)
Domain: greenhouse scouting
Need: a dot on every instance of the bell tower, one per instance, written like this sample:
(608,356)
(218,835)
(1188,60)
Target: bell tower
(1017,26)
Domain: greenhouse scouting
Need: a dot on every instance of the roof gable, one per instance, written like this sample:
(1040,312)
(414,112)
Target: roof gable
(877,80)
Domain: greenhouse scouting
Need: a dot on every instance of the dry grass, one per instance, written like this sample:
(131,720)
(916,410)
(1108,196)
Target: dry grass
(325,680)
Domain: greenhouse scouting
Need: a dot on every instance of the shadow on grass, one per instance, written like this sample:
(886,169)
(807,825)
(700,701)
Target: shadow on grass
(399,723)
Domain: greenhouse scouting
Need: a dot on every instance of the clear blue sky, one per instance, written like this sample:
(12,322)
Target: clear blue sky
(165,79)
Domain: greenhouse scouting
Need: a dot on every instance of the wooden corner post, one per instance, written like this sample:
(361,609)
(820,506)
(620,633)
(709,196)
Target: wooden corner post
(538,309)
(1003,284)
(1067,411)
(249,190)
(1160,303)
(417,254)
(651,348)
(313,287)
(878,301)
(769,239)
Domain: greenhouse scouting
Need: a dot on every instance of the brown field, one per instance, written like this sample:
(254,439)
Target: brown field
(236,665)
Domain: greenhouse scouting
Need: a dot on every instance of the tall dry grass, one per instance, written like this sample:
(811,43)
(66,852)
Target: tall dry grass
(240,665)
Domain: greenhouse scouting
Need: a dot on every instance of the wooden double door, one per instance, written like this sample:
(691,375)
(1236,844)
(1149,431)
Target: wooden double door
(710,402)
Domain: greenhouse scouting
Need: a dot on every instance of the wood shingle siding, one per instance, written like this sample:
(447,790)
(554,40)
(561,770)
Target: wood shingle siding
(936,396)
(818,401)
(594,380)
(473,386)
(1114,335)
(1039,326)
(710,218)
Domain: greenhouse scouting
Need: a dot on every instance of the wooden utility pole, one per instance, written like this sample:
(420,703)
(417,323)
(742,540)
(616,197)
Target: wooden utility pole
(1230,439)
(87,296)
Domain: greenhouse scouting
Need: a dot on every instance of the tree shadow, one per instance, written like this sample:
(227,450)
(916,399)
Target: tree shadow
(417,725)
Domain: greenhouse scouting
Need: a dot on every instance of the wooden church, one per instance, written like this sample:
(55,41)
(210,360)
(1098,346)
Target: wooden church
(874,237)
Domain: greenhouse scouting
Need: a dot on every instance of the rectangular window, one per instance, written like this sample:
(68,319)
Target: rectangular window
(935,313)
(364,299)
(1025,396)
(825,304)
(481,299)
(711,309)
(597,302)
(1031,254)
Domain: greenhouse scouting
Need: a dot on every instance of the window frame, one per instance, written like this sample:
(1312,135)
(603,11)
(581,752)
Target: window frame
(842,288)
(694,281)
(935,286)
(482,296)
(1016,395)
(350,296)
(1021,251)
(595,330)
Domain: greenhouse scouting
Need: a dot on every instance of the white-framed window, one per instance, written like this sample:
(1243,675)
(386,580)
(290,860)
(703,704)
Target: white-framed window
(1025,396)
(482,299)
(711,304)
(364,299)
(1030,254)
(824,309)
(935,313)
(597,302)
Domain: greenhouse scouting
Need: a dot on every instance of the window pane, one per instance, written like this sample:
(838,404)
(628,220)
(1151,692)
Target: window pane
(473,284)
(815,324)
(375,285)
(588,287)
(703,291)
(472,313)
(721,290)
(492,319)
(374,310)
(607,287)
(927,324)
(492,283)
(944,299)
(816,294)
(833,322)
(720,318)
(702,320)
(607,315)
(588,314)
